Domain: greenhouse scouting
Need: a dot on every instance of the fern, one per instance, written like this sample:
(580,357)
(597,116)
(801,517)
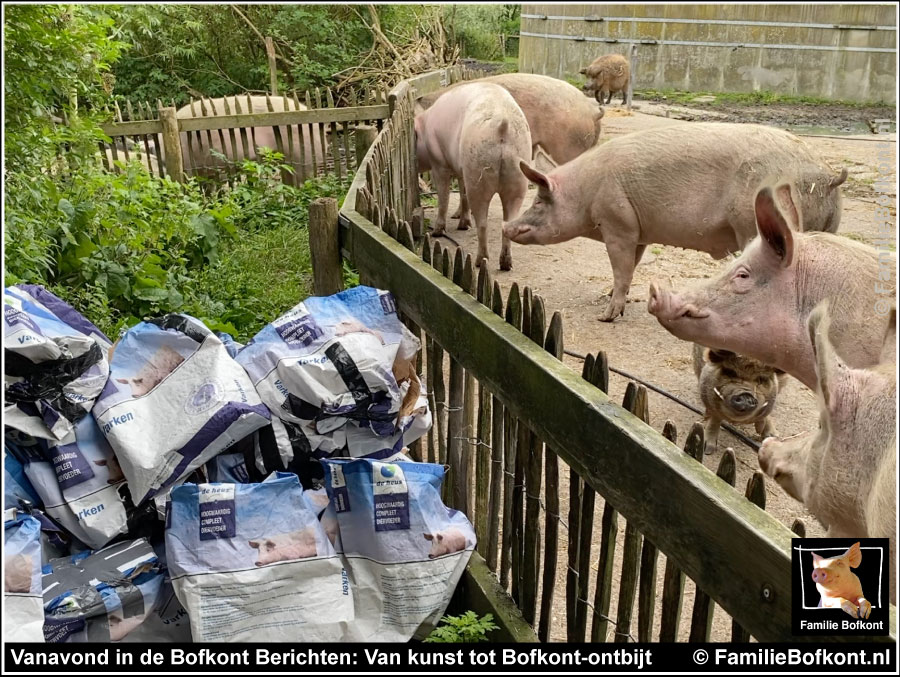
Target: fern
(467,628)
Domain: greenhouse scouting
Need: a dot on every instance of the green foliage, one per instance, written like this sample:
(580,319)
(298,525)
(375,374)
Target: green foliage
(465,628)
(762,97)
(121,247)
(477,28)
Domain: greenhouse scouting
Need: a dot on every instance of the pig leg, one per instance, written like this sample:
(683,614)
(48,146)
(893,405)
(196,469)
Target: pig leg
(711,434)
(765,428)
(441,178)
(849,607)
(639,254)
(480,204)
(463,203)
(512,205)
(621,257)
(865,608)
(464,214)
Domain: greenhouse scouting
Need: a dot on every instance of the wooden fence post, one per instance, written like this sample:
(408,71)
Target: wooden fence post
(629,93)
(364,136)
(324,248)
(273,71)
(171,144)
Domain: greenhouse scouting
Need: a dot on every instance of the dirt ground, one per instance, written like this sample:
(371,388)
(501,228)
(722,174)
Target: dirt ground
(574,276)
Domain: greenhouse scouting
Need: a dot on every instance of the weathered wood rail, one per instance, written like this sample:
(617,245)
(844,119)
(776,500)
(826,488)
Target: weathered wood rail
(314,134)
(507,412)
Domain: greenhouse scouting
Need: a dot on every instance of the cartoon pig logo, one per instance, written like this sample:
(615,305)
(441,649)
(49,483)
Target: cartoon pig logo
(838,586)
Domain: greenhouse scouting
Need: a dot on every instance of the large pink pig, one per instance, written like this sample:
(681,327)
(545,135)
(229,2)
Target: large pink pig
(845,472)
(759,305)
(838,586)
(479,134)
(688,186)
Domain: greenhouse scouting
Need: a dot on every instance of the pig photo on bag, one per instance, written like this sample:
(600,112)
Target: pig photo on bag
(841,586)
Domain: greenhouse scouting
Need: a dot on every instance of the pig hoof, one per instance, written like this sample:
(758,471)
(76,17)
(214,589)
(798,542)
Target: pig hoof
(710,448)
(613,310)
(850,608)
(506,263)
(464,223)
(864,608)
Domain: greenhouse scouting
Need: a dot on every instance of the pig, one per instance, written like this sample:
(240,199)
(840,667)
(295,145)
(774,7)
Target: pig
(607,75)
(18,570)
(838,586)
(736,389)
(561,120)
(113,467)
(294,545)
(759,305)
(845,472)
(446,542)
(163,363)
(478,133)
(688,186)
(198,158)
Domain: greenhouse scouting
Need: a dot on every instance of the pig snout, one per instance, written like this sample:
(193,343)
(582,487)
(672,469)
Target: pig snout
(668,306)
(820,576)
(743,402)
(519,233)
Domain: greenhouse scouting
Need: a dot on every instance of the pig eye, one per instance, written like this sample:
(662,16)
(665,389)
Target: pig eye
(743,275)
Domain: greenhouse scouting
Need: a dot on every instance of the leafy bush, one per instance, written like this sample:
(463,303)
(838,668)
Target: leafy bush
(466,628)
(477,29)
(121,247)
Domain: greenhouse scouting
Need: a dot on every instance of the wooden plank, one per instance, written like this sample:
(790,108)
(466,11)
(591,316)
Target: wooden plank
(279,143)
(631,552)
(455,416)
(513,317)
(497,455)
(290,155)
(553,344)
(704,607)
(335,143)
(321,132)
(302,132)
(235,156)
(634,467)
(518,491)
(249,120)
(576,488)
(531,529)
(756,494)
(649,557)
(131,128)
(245,143)
(483,438)
(467,448)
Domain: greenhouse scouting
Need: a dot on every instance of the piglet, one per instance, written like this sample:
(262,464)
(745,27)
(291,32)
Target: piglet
(838,586)
(445,542)
(294,545)
(163,363)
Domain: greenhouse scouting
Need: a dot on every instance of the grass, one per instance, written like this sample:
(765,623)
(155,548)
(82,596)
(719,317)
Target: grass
(749,98)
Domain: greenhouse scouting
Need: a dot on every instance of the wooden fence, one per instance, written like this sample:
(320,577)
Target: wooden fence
(515,425)
(314,134)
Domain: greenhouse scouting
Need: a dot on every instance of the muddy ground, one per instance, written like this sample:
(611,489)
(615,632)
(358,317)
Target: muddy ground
(574,276)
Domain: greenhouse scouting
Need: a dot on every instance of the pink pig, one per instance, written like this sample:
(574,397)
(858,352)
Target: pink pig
(840,587)
(446,542)
(18,572)
(157,368)
(294,545)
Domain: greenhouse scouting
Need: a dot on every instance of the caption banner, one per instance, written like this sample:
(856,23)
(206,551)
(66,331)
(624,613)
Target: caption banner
(873,658)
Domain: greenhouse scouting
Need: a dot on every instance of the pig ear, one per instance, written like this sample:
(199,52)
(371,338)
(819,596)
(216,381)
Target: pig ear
(583,70)
(773,226)
(254,544)
(440,537)
(543,161)
(542,181)
(428,537)
(828,363)
(784,194)
(854,555)
(719,355)
(817,559)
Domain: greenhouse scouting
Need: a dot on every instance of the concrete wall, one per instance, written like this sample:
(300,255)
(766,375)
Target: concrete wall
(825,50)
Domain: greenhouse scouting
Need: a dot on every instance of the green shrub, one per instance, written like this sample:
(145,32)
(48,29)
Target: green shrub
(466,628)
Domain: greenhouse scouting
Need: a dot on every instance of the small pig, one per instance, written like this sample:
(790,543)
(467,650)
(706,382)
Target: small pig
(560,119)
(476,132)
(295,545)
(445,542)
(838,586)
(759,305)
(607,75)
(690,186)
(845,472)
(115,470)
(735,389)
(163,363)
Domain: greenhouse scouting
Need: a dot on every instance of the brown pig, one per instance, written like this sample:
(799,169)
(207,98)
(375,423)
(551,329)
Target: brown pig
(759,305)
(607,75)
(688,186)
(845,472)
(838,586)
(478,133)
(737,389)
(561,120)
